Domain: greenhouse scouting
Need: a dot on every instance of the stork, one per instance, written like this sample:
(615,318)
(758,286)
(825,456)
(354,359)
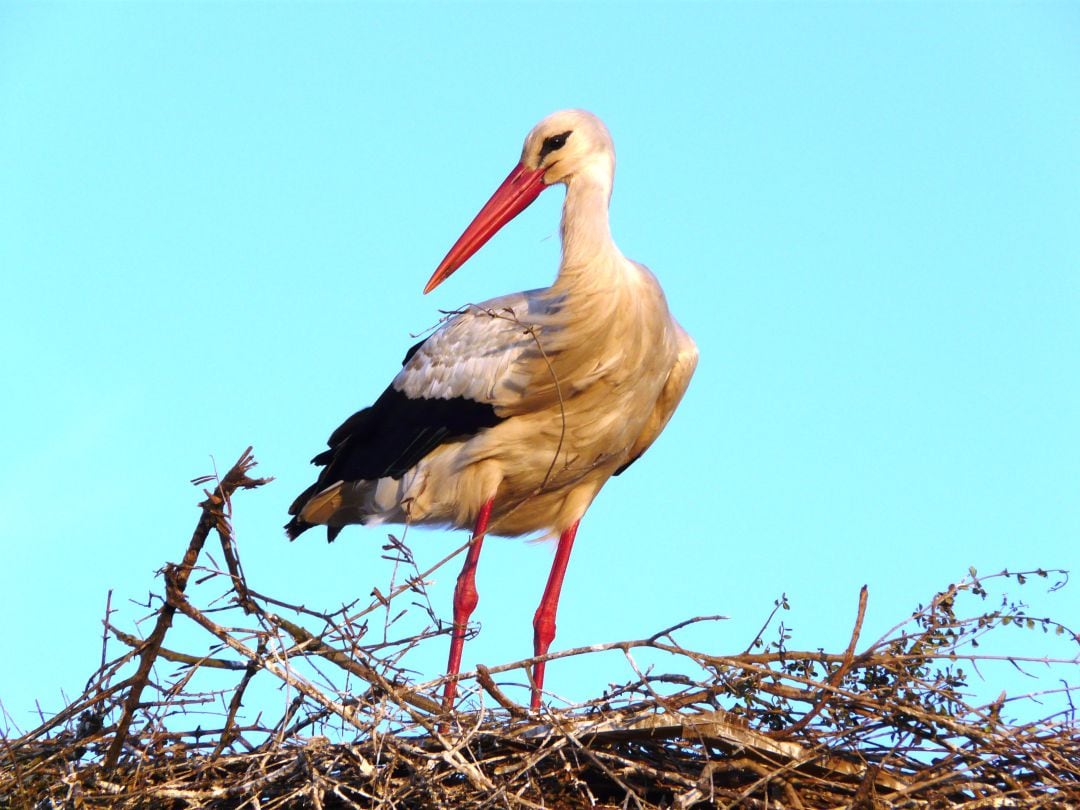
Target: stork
(512,415)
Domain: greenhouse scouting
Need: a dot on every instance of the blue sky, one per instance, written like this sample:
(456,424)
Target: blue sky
(216,220)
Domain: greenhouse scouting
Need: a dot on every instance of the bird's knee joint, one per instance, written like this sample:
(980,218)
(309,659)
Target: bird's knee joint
(544,630)
(465,596)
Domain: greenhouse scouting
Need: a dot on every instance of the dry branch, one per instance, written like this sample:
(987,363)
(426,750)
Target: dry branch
(891,725)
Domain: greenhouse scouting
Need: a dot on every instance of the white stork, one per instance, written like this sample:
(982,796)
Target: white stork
(511,416)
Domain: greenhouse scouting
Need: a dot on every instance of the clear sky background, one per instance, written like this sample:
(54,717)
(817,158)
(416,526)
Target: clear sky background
(216,220)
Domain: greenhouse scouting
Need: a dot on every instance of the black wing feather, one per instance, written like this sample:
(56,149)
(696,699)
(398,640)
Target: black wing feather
(391,437)
(622,469)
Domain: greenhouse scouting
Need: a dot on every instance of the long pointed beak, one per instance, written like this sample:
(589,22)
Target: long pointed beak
(516,193)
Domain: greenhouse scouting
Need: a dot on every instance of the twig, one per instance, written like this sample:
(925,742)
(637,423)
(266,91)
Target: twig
(837,676)
(212,513)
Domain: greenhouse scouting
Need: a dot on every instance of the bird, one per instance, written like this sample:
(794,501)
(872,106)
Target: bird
(510,417)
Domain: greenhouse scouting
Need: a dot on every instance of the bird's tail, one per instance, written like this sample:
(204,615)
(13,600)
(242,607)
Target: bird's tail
(296,527)
(312,508)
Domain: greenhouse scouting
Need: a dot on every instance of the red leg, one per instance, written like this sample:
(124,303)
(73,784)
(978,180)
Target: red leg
(544,620)
(465,599)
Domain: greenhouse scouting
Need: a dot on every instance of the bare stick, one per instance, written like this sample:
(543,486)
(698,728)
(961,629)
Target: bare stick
(212,513)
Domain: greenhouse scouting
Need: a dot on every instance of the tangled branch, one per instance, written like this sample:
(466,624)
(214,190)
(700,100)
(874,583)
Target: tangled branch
(887,724)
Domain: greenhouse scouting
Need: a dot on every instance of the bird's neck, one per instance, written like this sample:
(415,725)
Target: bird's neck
(586,232)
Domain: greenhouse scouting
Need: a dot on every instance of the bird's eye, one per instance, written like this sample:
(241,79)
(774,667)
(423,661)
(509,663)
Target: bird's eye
(553,143)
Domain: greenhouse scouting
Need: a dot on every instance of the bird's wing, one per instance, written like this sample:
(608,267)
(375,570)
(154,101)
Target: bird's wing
(487,353)
(670,396)
(451,386)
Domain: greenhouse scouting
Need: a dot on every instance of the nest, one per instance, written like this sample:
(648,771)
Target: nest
(887,725)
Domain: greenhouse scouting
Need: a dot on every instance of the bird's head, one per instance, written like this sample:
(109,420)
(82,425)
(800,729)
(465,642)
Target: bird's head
(565,145)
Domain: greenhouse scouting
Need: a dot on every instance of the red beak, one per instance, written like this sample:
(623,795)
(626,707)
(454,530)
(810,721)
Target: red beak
(516,193)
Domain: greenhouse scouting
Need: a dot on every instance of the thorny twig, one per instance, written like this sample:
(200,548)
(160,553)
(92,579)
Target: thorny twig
(892,723)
